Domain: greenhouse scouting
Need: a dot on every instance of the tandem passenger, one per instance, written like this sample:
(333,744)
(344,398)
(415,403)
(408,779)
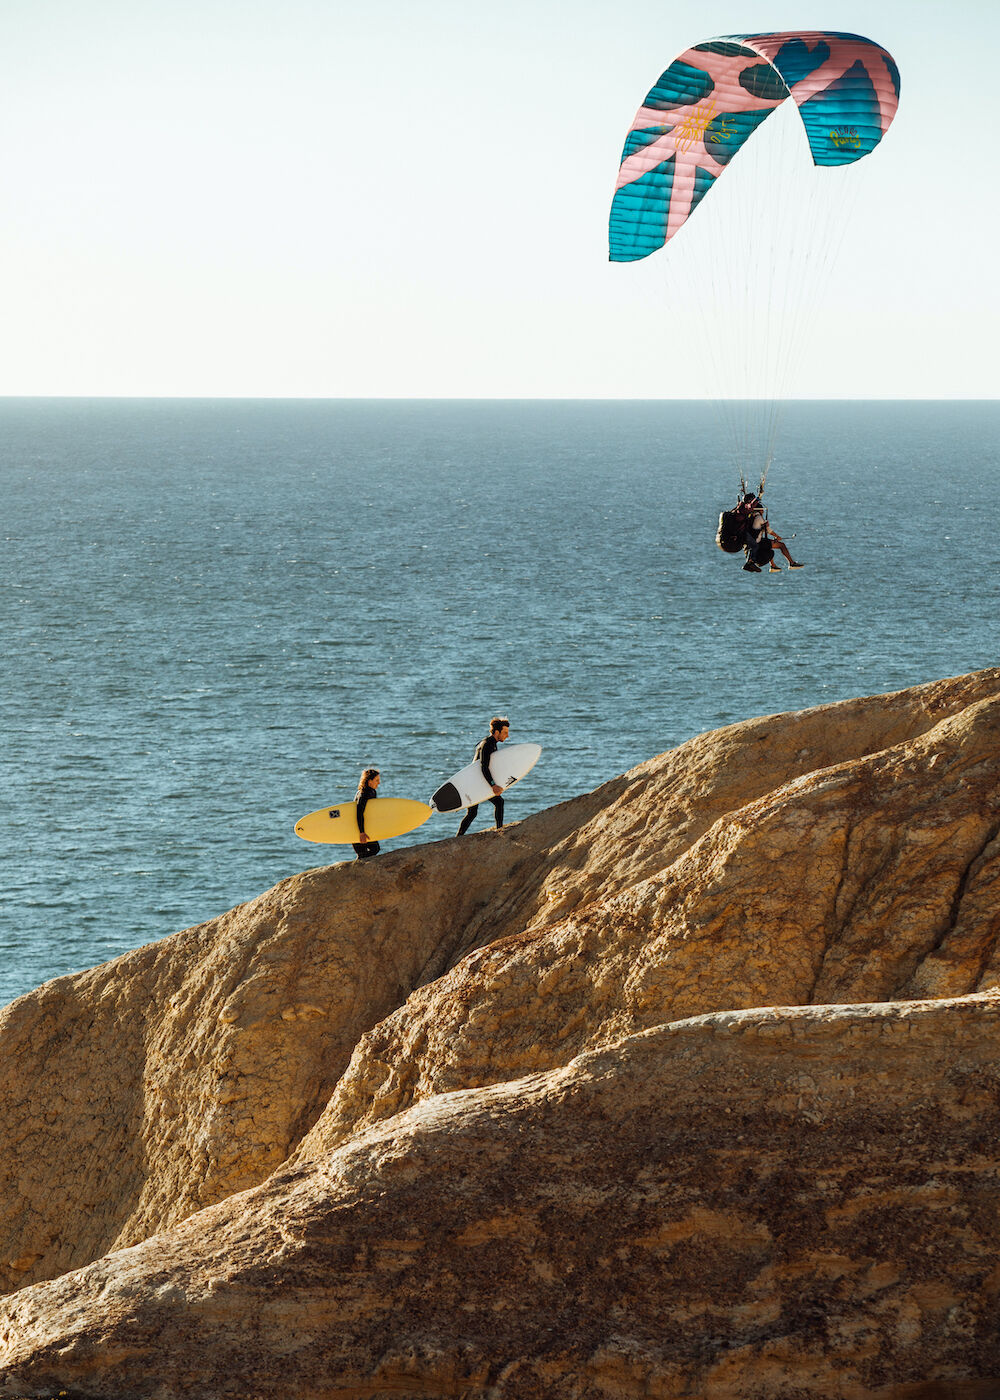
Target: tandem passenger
(760,540)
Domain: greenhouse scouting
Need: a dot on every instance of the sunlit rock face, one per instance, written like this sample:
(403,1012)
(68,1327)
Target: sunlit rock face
(687,1086)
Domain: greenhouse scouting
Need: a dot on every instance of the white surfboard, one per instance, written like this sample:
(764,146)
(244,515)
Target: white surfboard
(510,763)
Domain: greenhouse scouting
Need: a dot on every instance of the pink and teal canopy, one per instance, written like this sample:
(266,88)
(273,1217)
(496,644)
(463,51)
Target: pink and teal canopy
(711,100)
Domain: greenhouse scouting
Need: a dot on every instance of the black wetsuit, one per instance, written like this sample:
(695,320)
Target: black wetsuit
(485,750)
(372,848)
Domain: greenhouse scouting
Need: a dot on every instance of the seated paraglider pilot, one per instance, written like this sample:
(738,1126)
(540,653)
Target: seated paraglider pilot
(761,540)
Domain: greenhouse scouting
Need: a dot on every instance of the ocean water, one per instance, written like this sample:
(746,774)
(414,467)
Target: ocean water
(215,614)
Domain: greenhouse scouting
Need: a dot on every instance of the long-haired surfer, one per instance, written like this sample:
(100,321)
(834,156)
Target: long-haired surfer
(370,780)
(485,749)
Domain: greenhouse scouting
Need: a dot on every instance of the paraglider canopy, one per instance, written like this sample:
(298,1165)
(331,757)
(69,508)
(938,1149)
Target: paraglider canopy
(713,97)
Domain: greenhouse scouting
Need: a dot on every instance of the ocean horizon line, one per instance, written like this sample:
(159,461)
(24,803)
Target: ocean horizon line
(475,399)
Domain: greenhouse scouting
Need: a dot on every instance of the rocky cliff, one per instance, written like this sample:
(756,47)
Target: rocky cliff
(686,1087)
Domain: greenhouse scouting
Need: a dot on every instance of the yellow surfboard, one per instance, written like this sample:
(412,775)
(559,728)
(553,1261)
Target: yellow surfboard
(385,817)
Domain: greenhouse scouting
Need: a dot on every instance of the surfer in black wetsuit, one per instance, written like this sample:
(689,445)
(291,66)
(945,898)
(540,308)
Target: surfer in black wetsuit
(370,780)
(485,749)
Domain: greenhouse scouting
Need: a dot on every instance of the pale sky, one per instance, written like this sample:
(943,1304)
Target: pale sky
(409,198)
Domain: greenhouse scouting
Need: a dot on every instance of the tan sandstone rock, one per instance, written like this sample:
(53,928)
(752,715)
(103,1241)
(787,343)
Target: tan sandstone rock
(150,1087)
(846,854)
(780,1203)
(869,880)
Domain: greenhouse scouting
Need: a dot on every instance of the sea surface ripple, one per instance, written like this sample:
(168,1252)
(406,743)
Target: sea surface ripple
(216,613)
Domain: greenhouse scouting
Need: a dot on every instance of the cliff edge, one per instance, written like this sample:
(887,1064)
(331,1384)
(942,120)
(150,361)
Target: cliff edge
(686,1086)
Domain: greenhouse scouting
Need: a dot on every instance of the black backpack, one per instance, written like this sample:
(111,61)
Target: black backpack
(731,534)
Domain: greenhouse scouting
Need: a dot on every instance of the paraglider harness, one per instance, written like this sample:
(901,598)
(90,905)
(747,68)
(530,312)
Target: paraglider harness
(734,536)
